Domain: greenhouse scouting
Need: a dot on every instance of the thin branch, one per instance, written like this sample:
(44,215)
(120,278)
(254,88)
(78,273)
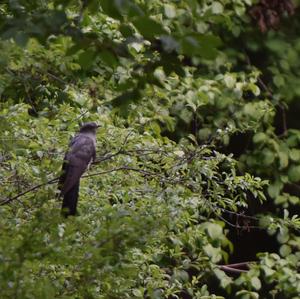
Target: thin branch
(121,151)
(116,153)
(265,87)
(105,158)
(149,173)
(232,270)
(284,121)
(52,181)
(239,265)
(237,226)
(53,77)
(8,200)
(238,214)
(270,94)
(260,81)
(122,168)
(80,115)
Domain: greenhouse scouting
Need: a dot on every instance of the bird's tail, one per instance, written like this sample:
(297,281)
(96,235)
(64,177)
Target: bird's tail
(69,205)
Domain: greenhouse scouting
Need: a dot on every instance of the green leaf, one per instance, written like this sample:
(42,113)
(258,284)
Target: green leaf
(204,133)
(244,294)
(200,45)
(137,46)
(283,159)
(214,230)
(225,280)
(259,137)
(230,80)
(274,189)
(111,9)
(295,155)
(278,81)
(268,157)
(93,6)
(285,250)
(170,11)
(21,39)
(86,59)
(108,58)
(268,271)
(213,253)
(217,8)
(253,88)
(137,293)
(126,30)
(148,27)
(294,173)
(283,236)
(125,99)
(255,282)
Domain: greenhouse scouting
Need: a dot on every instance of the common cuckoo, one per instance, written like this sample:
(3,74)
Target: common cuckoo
(81,152)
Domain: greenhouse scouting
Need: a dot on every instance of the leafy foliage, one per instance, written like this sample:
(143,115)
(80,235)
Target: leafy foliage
(197,145)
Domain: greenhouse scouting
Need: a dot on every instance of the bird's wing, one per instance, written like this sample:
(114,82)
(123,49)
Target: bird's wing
(80,154)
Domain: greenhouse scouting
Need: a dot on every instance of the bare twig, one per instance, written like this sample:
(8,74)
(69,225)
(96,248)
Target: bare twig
(270,94)
(81,115)
(238,214)
(239,265)
(232,270)
(8,200)
(216,210)
(265,87)
(52,181)
(284,122)
(121,150)
(236,268)
(152,174)
(53,77)
(122,168)
(237,226)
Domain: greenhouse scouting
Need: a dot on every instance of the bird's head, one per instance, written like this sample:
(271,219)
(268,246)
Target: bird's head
(89,127)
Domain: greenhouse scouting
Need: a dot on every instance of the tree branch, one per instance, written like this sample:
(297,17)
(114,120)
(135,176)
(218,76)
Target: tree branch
(52,181)
(239,265)
(238,214)
(116,153)
(8,200)
(232,270)
(236,268)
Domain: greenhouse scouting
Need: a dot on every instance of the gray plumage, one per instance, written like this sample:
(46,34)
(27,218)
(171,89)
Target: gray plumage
(82,151)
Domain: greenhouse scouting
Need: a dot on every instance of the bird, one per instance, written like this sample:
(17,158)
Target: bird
(81,153)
